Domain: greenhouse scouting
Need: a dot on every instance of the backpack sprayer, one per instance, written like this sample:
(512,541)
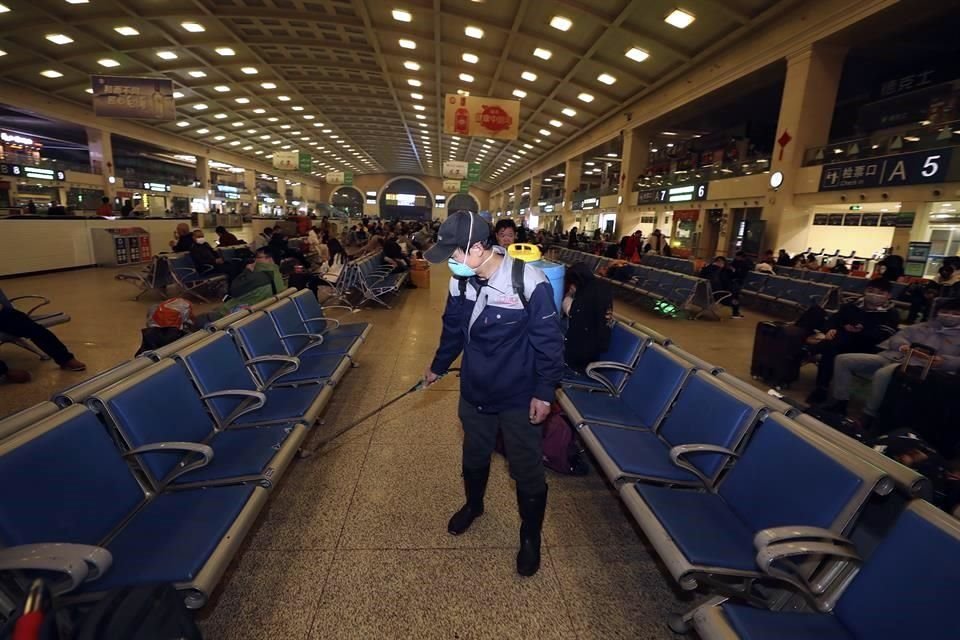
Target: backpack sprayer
(421,384)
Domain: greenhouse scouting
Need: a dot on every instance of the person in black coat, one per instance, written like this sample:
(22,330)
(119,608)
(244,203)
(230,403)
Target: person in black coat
(723,278)
(588,305)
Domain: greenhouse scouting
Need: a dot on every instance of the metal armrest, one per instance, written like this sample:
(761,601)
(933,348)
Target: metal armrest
(258,396)
(720,296)
(786,561)
(315,338)
(777,535)
(204,451)
(291,363)
(678,457)
(78,562)
(593,373)
(45,301)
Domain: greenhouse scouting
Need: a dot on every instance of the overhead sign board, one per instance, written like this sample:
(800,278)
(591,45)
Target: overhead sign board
(451,186)
(14,138)
(286,160)
(481,116)
(33,173)
(919,167)
(305,163)
(458,170)
(133,97)
(340,177)
(686,193)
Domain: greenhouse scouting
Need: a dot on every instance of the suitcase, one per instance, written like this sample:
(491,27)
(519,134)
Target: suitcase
(777,354)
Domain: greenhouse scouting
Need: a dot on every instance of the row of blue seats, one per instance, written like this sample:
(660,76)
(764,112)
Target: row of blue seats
(792,293)
(154,471)
(179,270)
(375,279)
(773,511)
(680,265)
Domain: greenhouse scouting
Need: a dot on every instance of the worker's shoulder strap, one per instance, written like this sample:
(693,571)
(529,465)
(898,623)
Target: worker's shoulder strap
(518,285)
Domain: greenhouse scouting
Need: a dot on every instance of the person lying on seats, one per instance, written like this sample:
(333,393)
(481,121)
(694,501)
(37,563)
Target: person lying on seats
(856,327)
(723,278)
(16,323)
(942,334)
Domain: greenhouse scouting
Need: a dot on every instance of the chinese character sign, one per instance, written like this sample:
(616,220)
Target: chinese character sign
(920,167)
(481,116)
(286,160)
(451,186)
(133,97)
(455,170)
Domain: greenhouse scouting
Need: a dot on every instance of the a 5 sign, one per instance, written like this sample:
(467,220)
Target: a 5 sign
(919,167)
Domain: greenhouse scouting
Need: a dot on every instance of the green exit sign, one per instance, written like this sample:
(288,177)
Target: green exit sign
(856,207)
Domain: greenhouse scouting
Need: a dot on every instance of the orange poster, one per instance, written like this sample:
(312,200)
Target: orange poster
(481,116)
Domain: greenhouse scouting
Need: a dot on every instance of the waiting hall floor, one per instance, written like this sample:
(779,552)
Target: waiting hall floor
(353,542)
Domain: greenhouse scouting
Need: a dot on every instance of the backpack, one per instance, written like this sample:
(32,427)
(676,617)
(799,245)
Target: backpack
(518,285)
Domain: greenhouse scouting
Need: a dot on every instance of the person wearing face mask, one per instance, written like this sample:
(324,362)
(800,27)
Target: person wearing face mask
(856,327)
(501,316)
(942,335)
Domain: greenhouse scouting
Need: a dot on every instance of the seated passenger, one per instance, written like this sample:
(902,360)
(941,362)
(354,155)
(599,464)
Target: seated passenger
(182,238)
(942,334)
(588,305)
(890,268)
(840,267)
(505,232)
(812,264)
(208,260)
(393,253)
(262,239)
(856,327)
(16,323)
(784,259)
(227,239)
(722,278)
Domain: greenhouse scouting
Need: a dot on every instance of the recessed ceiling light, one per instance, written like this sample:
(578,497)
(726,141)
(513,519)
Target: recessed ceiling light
(462,92)
(407,44)
(242,100)
(265,136)
(556,123)
(569,112)
(221,116)
(561,23)
(219,137)
(585,97)
(527,145)
(420,116)
(235,143)
(250,71)
(197,74)
(318,124)
(680,18)
(308,116)
(251,131)
(419,107)
(413,82)
(259,110)
(202,131)
(411,65)
(284,126)
(466,77)
(126,31)
(297,108)
(108,63)
(529,76)
(543,54)
(166,55)
(520,93)
(283,98)
(473,32)
(59,38)
(416,96)
(51,73)
(221,88)
(193,27)
(225,51)
(177,95)
(637,54)
(402,16)
(606,78)
(183,123)
(470,58)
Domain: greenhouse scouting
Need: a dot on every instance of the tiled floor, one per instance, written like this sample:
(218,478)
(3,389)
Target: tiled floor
(353,542)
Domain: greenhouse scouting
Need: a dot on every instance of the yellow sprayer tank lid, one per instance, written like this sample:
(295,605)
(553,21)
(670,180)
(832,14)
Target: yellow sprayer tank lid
(524,251)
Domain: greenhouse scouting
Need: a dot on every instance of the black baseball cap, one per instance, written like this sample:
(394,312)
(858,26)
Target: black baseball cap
(461,230)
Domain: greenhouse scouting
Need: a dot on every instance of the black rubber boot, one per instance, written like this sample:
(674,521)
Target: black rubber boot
(532,508)
(475,486)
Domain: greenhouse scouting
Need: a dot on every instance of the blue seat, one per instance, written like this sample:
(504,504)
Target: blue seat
(234,397)
(666,284)
(776,288)
(85,494)
(159,416)
(855,286)
(905,589)
(705,413)
(314,317)
(784,478)
(610,370)
(26,418)
(755,283)
(185,275)
(261,342)
(300,341)
(645,397)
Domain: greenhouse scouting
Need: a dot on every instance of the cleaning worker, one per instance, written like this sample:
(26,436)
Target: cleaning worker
(501,315)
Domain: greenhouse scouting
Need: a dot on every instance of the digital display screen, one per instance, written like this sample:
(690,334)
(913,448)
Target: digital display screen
(406,200)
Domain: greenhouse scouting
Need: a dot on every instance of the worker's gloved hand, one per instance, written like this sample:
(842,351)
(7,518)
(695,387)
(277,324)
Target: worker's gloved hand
(539,410)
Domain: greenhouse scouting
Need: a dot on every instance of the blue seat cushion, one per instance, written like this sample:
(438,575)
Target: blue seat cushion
(641,454)
(761,624)
(239,452)
(601,407)
(703,527)
(579,379)
(314,366)
(172,537)
(352,329)
(289,404)
(332,344)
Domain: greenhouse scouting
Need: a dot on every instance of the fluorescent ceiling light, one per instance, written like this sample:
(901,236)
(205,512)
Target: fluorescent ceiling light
(473,32)
(637,54)
(308,116)
(221,88)
(78,1)
(193,27)
(585,97)
(166,55)
(51,73)
(402,16)
(470,58)
(420,116)
(126,31)
(466,77)
(680,19)
(413,82)
(242,100)
(544,132)
(416,96)
(4,8)
(108,63)
(259,110)
(197,74)
(520,93)
(200,107)
(569,112)
(177,95)
(225,51)
(561,23)
(556,123)
(606,78)
(411,65)
(283,98)
(235,143)
(219,137)
(250,71)
(407,44)
(297,108)
(183,123)
(543,54)
(419,107)
(462,92)
(59,38)
(202,131)
(529,76)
